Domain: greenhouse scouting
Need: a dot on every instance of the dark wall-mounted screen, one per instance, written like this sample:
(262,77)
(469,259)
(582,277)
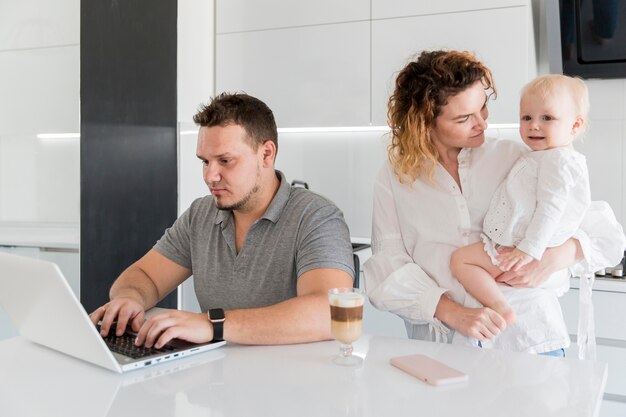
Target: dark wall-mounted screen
(592,37)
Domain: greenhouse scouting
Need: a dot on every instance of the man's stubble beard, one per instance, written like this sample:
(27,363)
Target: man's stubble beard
(244,203)
(241,204)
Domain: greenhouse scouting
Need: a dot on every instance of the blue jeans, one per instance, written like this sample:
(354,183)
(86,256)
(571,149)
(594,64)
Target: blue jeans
(559,353)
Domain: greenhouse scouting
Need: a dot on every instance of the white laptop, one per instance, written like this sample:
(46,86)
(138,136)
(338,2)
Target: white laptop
(45,310)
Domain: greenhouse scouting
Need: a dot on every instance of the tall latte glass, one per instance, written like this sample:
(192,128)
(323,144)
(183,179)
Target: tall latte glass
(346,321)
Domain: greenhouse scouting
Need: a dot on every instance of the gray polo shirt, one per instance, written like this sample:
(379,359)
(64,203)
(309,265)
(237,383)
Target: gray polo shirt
(300,231)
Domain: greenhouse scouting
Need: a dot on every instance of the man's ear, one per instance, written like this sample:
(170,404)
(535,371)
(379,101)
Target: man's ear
(268,149)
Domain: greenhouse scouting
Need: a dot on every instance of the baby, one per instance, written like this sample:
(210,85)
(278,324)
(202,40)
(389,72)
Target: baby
(542,201)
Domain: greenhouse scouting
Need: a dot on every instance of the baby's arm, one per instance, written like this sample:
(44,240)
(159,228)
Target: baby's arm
(513,260)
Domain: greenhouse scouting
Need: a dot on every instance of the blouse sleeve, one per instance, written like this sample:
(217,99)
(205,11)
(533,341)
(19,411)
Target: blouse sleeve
(601,238)
(394,282)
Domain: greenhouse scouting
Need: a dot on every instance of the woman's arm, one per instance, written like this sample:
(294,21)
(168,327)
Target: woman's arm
(598,243)
(601,239)
(478,323)
(536,272)
(395,283)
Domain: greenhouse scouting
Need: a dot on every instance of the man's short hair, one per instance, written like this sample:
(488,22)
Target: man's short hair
(243,110)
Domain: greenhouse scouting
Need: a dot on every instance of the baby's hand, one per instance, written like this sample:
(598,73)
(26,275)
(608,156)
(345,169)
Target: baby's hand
(513,260)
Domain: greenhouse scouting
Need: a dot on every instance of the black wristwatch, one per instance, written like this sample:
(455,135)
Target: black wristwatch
(217,318)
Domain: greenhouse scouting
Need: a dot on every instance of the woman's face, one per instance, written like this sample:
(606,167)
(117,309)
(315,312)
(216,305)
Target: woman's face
(462,122)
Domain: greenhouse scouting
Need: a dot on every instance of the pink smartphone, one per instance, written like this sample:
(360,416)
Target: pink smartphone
(428,369)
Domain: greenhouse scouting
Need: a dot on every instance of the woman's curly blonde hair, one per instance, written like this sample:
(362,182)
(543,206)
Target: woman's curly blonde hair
(422,88)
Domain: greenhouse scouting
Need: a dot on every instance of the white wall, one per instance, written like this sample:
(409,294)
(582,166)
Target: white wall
(196,81)
(39,93)
(196,63)
(196,86)
(603,144)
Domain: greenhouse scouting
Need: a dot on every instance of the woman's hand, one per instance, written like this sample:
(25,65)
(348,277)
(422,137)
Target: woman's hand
(531,275)
(536,272)
(478,323)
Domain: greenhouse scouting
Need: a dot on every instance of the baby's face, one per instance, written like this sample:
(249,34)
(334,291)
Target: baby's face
(549,121)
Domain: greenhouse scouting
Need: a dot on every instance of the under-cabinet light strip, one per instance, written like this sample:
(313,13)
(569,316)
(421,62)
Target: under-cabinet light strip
(330,129)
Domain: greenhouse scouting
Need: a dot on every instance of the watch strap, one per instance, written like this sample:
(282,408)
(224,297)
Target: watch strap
(217,319)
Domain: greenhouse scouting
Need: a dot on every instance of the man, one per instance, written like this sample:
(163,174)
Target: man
(263,254)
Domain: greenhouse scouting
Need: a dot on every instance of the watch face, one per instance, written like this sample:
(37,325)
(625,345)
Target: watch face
(216,314)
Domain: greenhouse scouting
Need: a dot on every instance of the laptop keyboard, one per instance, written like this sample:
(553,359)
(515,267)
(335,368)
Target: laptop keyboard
(125,345)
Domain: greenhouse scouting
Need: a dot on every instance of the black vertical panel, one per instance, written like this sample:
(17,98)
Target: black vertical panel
(128,137)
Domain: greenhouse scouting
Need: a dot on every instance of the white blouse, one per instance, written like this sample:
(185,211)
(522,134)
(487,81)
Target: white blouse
(416,227)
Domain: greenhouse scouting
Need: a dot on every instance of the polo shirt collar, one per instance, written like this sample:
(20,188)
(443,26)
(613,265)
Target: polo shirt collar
(279,201)
(275,208)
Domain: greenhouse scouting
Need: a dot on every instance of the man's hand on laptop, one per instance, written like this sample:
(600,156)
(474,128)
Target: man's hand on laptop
(123,311)
(175,324)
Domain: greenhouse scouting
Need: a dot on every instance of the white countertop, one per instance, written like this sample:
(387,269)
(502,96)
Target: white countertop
(40,235)
(299,380)
(602,284)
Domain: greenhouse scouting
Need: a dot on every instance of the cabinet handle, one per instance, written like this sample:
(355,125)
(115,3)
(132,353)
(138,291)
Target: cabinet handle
(60,250)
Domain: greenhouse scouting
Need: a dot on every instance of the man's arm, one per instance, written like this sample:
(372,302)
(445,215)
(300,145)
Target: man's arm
(137,289)
(304,318)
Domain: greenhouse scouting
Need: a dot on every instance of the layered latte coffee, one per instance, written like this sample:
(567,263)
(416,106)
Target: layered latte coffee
(346,314)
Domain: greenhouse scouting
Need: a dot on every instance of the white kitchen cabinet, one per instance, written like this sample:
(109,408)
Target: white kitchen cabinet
(335,65)
(246,15)
(309,76)
(613,408)
(39,181)
(498,37)
(41,78)
(609,313)
(68,261)
(384,9)
(38,23)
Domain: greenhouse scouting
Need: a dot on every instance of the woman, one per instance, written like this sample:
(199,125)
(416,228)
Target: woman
(431,198)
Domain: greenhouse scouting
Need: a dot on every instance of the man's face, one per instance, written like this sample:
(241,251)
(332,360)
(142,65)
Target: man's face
(230,166)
